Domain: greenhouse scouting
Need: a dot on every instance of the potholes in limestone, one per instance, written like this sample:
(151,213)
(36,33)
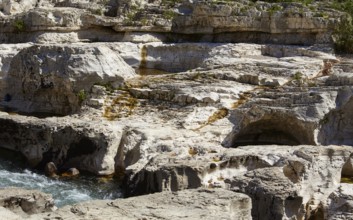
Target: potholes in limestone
(219,171)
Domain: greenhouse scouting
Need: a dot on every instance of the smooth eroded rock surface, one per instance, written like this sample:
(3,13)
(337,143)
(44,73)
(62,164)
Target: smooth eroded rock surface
(55,79)
(184,99)
(187,204)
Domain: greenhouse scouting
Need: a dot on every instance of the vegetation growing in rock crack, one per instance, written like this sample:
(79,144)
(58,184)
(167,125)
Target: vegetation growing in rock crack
(19,25)
(274,9)
(343,35)
(82,96)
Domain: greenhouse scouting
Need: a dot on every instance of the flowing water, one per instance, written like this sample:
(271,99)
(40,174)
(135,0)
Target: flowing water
(64,191)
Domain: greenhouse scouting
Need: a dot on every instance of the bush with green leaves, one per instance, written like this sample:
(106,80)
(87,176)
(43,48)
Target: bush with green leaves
(343,34)
(81,95)
(19,25)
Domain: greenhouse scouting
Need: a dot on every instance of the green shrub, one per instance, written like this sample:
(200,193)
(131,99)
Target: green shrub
(129,19)
(274,9)
(343,34)
(19,25)
(169,14)
(144,21)
(82,96)
(98,11)
(298,76)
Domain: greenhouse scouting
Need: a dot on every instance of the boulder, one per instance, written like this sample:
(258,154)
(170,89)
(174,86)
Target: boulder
(56,79)
(71,172)
(26,202)
(50,169)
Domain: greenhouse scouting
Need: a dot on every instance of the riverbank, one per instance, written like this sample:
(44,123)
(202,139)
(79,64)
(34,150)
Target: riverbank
(65,191)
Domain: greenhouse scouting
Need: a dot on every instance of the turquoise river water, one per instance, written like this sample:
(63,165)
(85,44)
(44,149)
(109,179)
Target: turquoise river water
(64,191)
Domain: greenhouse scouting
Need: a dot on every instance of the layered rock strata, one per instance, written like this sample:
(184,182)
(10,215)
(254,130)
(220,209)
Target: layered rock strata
(142,21)
(272,121)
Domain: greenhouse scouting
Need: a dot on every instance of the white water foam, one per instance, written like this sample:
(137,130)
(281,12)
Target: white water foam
(65,192)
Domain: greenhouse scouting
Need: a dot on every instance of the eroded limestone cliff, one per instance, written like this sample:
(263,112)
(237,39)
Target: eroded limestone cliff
(179,95)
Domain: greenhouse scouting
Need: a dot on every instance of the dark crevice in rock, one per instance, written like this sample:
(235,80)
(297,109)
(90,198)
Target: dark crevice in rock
(267,137)
(82,147)
(13,111)
(347,172)
(106,34)
(294,207)
(246,37)
(91,34)
(15,157)
(172,178)
(317,214)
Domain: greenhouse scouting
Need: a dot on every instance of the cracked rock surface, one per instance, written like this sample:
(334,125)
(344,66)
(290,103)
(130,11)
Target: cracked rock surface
(223,111)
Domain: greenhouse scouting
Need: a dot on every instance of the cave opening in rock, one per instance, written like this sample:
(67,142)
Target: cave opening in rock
(266,137)
(83,147)
(274,131)
(16,158)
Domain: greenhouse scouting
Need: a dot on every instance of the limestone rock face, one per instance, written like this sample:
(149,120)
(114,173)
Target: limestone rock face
(207,18)
(158,176)
(337,124)
(299,174)
(89,147)
(25,202)
(223,109)
(340,203)
(284,182)
(8,51)
(54,79)
(150,21)
(15,7)
(188,204)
